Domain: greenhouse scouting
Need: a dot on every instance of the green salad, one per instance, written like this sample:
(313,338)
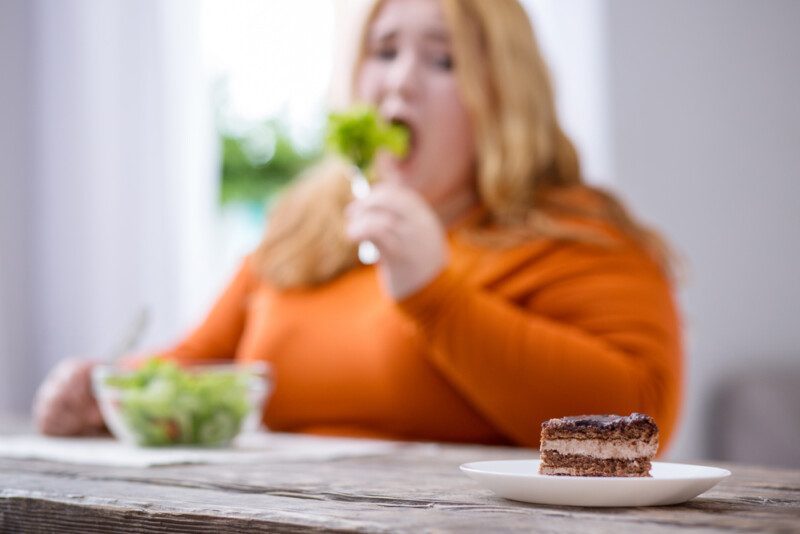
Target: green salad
(358,133)
(163,404)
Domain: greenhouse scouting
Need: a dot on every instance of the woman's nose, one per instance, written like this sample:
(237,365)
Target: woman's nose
(403,76)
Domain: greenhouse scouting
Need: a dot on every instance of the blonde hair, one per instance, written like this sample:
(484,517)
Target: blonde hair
(524,159)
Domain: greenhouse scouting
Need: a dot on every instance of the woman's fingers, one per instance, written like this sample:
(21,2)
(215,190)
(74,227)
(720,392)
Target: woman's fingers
(407,232)
(94,417)
(66,422)
(64,404)
(372,224)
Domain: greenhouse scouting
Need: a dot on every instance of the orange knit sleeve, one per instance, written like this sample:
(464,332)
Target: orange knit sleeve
(218,335)
(601,336)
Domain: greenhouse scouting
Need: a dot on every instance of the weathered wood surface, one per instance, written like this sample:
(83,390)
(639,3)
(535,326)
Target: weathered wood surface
(417,489)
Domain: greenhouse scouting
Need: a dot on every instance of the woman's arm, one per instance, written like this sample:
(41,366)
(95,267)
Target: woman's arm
(600,336)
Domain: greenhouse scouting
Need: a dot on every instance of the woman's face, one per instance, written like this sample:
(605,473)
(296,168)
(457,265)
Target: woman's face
(408,74)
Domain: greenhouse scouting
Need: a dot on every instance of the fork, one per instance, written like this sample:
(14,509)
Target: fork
(359,185)
(131,335)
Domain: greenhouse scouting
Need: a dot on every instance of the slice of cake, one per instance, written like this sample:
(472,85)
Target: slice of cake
(598,446)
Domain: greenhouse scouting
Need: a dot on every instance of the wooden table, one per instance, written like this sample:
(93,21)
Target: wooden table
(417,488)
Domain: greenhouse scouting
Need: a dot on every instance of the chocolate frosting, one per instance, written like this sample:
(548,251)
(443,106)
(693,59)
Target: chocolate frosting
(601,422)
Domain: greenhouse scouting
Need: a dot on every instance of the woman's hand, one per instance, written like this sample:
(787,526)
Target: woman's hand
(64,404)
(407,232)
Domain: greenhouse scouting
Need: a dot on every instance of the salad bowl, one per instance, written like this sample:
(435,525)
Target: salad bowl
(162,403)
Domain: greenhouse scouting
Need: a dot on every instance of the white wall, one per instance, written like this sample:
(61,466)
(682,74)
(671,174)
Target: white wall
(572,36)
(107,180)
(124,182)
(15,137)
(706,127)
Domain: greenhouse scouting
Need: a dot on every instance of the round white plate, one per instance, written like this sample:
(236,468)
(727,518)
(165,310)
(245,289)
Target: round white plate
(668,484)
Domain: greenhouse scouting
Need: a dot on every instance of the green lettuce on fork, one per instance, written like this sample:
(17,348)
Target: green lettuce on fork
(359,132)
(163,404)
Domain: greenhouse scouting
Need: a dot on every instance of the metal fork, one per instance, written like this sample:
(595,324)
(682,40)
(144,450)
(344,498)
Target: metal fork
(131,335)
(359,185)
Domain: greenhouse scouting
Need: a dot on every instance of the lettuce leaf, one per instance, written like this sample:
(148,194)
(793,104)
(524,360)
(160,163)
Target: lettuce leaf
(163,404)
(359,132)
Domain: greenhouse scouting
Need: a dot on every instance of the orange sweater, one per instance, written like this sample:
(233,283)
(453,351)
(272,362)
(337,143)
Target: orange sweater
(499,342)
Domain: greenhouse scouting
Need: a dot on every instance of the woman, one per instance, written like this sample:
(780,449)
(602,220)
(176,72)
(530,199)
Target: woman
(507,292)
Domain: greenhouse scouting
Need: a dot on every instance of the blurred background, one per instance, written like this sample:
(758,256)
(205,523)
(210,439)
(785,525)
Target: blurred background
(140,141)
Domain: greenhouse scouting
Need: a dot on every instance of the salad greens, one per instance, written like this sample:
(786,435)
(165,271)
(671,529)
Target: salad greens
(163,404)
(359,132)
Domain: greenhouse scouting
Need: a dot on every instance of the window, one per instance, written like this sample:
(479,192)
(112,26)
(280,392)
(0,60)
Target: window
(269,64)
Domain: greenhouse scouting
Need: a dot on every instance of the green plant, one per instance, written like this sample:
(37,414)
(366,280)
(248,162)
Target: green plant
(259,162)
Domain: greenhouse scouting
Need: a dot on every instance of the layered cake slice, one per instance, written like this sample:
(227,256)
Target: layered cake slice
(598,445)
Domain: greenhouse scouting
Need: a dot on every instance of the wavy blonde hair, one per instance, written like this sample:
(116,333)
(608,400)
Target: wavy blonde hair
(525,162)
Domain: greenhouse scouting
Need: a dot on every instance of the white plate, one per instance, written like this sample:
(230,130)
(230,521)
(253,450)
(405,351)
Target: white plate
(669,484)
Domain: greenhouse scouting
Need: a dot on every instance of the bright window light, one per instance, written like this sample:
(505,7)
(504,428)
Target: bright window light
(273,60)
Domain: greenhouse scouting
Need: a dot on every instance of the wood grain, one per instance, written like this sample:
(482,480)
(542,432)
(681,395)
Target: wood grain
(419,488)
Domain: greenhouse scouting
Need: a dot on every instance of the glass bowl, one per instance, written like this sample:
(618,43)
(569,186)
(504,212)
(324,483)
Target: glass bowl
(162,403)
